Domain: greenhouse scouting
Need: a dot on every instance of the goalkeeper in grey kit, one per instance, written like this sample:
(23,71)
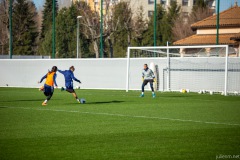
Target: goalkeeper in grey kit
(148,76)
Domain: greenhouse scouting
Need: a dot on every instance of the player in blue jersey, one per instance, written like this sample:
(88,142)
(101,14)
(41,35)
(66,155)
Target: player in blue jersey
(69,77)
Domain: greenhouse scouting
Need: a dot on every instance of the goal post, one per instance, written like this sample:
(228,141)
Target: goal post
(183,66)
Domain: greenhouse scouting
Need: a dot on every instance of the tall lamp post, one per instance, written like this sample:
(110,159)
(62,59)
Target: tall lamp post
(78,41)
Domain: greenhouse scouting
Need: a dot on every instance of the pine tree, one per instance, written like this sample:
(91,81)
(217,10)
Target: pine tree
(66,34)
(140,26)
(47,17)
(45,44)
(24,28)
(167,23)
(122,15)
(148,34)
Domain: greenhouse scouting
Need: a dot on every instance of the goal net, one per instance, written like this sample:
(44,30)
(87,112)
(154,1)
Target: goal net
(211,68)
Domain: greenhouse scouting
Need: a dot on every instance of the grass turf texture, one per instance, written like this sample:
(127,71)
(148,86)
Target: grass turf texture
(117,125)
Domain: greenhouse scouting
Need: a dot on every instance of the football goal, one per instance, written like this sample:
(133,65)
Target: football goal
(203,69)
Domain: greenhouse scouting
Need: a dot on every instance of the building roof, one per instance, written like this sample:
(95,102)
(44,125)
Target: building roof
(228,18)
(236,37)
(207,39)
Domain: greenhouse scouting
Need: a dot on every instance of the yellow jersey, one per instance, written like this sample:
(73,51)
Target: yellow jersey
(50,79)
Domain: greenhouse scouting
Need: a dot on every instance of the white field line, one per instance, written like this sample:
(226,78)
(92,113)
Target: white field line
(123,115)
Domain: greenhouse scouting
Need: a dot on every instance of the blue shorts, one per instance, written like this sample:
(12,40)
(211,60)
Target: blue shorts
(48,90)
(70,89)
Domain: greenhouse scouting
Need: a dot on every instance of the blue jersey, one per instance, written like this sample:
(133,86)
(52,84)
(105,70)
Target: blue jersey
(69,77)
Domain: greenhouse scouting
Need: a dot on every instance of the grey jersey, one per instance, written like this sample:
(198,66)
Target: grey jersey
(148,74)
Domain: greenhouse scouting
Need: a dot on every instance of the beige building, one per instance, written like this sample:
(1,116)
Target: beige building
(96,4)
(148,5)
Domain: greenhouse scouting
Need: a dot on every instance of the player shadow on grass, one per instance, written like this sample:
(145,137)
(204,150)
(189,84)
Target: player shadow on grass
(26,100)
(105,102)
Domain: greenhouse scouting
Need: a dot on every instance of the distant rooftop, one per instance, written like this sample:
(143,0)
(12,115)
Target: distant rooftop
(228,18)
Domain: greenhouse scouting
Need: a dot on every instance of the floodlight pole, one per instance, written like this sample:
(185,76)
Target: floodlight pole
(155,23)
(217,37)
(101,30)
(78,41)
(10,30)
(53,29)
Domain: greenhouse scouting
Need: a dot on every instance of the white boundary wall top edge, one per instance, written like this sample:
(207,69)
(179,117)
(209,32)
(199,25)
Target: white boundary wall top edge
(166,47)
(67,59)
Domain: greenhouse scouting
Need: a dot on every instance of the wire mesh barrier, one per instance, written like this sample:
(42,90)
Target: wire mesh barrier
(210,71)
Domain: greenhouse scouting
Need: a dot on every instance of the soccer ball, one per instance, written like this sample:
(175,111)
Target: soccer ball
(211,92)
(77,87)
(184,91)
(82,100)
(200,92)
(41,88)
(235,93)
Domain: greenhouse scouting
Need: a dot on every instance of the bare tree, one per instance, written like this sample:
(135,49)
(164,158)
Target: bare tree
(64,3)
(182,25)
(91,24)
(139,26)
(123,27)
(4,23)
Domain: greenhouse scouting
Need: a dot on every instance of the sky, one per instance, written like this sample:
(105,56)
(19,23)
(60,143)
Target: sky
(38,3)
(224,4)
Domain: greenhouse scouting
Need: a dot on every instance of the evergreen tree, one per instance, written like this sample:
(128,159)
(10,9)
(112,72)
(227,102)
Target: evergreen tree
(168,22)
(140,26)
(45,44)
(47,16)
(148,34)
(122,15)
(66,34)
(24,28)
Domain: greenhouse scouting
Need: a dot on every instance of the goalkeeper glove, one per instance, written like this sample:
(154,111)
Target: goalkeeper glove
(142,79)
(154,80)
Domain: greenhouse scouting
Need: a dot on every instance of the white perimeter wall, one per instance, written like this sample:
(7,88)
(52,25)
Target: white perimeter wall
(111,73)
(101,73)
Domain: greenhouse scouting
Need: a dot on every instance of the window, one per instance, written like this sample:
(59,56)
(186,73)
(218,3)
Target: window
(185,2)
(194,2)
(150,13)
(150,1)
(114,1)
(163,2)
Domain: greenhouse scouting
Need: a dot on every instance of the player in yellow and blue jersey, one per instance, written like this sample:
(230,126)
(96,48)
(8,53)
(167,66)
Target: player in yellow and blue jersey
(49,84)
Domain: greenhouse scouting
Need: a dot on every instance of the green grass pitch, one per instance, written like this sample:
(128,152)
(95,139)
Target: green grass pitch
(116,125)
